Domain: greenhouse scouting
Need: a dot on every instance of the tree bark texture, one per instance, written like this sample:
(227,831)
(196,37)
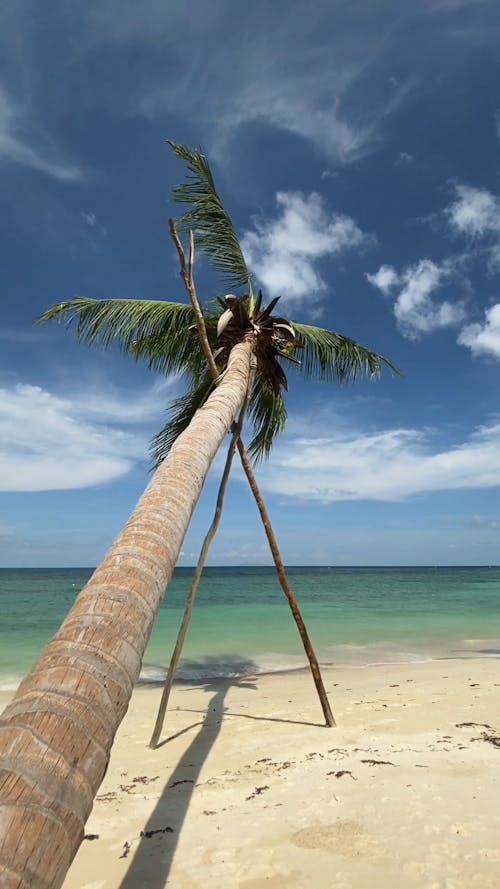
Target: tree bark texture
(56,734)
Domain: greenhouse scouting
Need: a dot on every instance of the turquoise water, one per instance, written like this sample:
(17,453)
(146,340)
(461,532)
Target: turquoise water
(241,622)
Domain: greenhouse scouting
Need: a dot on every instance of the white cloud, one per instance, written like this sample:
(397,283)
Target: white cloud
(484,339)
(17,145)
(54,442)
(387,466)
(476,214)
(415,309)
(475,211)
(385,279)
(284,252)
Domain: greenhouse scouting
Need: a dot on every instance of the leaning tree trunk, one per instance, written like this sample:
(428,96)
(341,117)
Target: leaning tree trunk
(57,733)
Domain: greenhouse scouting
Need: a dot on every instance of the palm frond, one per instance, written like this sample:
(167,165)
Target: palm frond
(213,230)
(132,324)
(180,414)
(332,356)
(158,353)
(268,413)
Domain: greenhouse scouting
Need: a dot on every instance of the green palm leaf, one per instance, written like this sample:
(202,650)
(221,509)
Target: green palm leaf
(268,413)
(207,218)
(331,356)
(134,325)
(159,351)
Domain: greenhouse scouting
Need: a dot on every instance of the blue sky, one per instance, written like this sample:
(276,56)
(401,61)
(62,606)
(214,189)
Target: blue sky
(357,147)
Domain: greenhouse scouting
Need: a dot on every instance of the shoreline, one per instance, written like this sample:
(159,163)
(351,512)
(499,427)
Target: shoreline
(249,789)
(9,683)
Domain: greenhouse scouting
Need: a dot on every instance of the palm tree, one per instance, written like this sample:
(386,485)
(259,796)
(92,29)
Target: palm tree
(57,733)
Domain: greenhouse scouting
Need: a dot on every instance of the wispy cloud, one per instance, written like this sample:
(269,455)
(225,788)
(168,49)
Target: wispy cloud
(90,219)
(332,76)
(284,252)
(281,66)
(76,440)
(480,521)
(415,307)
(451,5)
(298,105)
(389,465)
(404,158)
(18,145)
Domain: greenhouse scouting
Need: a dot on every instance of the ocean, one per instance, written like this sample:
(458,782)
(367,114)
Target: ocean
(241,622)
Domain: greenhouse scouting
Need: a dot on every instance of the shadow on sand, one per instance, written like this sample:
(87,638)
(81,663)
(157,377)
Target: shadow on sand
(152,861)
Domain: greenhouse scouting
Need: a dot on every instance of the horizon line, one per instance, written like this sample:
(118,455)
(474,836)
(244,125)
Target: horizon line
(250,565)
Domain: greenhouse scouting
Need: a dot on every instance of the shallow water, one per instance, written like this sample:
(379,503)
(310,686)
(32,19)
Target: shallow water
(241,622)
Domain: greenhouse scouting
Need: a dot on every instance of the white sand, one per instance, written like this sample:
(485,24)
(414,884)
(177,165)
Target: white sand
(251,791)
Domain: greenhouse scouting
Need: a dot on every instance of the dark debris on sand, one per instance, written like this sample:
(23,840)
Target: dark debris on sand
(491,739)
(378,762)
(341,773)
(258,791)
(151,833)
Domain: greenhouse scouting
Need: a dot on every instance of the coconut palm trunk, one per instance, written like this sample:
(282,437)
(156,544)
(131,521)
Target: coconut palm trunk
(57,733)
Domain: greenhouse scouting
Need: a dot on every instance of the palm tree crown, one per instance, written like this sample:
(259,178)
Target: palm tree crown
(164,333)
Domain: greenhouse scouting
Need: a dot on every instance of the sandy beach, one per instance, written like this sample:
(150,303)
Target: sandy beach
(249,789)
